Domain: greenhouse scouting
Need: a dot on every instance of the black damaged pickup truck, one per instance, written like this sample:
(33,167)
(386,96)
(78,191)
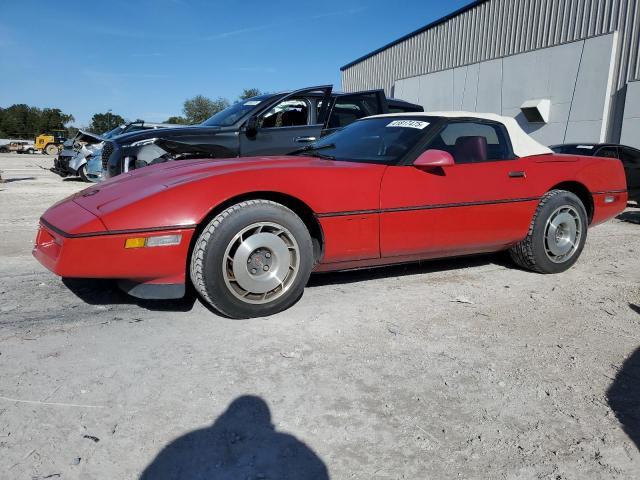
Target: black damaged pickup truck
(272,124)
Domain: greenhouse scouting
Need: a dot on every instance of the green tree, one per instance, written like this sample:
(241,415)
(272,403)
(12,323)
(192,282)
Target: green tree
(23,121)
(199,108)
(103,122)
(53,119)
(177,120)
(71,131)
(19,121)
(250,92)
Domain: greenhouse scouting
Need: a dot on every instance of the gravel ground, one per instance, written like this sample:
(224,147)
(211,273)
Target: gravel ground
(465,368)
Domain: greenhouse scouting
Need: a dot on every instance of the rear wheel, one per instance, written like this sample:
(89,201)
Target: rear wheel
(252,260)
(556,235)
(51,149)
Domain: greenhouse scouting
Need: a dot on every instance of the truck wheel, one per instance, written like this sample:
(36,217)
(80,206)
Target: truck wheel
(252,260)
(556,235)
(51,149)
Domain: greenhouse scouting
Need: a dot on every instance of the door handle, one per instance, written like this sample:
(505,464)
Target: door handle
(518,174)
(305,139)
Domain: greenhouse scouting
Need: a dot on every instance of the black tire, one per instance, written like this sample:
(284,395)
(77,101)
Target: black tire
(82,173)
(212,265)
(533,253)
(51,149)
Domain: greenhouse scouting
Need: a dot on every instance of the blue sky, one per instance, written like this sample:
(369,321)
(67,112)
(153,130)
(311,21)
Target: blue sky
(143,58)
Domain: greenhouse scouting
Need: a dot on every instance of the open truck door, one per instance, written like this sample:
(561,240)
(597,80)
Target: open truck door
(288,124)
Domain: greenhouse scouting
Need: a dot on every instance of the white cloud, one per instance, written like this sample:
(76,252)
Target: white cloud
(256,69)
(240,31)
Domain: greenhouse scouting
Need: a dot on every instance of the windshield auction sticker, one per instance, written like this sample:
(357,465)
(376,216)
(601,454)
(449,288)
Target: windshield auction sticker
(409,124)
(250,103)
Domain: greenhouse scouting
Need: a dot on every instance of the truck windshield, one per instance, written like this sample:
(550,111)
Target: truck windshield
(382,140)
(112,133)
(235,112)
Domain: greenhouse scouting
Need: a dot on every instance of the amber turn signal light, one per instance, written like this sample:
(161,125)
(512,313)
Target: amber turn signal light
(158,241)
(137,242)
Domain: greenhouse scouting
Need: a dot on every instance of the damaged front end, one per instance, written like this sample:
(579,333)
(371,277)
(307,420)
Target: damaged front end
(117,160)
(165,150)
(94,167)
(75,152)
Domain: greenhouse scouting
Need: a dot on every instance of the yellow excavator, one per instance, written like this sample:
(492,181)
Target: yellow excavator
(50,143)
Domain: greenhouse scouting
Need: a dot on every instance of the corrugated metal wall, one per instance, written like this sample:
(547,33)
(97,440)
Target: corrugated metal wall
(497,28)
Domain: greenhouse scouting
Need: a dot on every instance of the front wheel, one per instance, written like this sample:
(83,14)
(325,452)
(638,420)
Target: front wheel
(556,235)
(252,260)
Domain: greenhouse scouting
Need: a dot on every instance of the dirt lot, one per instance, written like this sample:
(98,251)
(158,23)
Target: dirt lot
(464,368)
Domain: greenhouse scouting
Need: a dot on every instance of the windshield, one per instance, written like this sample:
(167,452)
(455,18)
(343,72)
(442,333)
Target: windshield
(376,140)
(575,149)
(235,112)
(114,132)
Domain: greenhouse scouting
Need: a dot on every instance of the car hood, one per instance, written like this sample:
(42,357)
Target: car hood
(182,193)
(132,187)
(83,136)
(176,132)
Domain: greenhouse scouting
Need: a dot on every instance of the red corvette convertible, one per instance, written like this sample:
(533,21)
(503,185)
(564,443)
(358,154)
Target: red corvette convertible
(387,189)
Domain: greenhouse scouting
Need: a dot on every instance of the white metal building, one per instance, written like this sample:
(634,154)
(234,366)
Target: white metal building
(567,70)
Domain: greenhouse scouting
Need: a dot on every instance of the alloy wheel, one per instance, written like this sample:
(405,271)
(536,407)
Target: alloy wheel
(562,234)
(261,262)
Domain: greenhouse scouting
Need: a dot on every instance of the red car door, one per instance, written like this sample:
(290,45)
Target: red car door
(480,204)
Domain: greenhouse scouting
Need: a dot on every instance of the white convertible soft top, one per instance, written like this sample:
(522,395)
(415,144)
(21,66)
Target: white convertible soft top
(523,145)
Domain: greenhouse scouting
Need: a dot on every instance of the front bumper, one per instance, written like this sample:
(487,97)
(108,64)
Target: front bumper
(102,255)
(61,166)
(94,169)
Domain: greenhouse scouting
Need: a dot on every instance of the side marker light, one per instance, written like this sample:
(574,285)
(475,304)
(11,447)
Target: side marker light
(134,242)
(159,241)
(164,240)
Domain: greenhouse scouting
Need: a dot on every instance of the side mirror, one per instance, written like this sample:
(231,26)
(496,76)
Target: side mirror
(434,158)
(251,128)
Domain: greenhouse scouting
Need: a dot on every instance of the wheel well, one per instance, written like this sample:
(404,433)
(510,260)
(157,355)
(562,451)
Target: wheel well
(580,191)
(296,205)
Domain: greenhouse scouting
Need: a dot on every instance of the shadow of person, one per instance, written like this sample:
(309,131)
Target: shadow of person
(624,397)
(241,444)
